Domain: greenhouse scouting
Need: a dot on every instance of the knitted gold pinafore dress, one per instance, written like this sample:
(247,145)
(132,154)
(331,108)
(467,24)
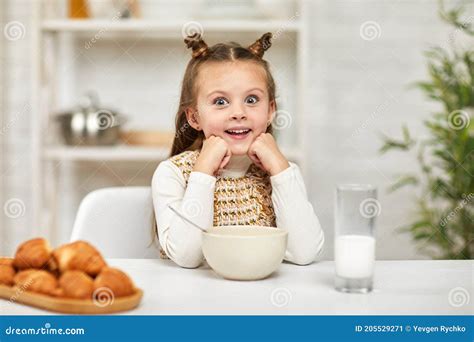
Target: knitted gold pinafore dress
(244,200)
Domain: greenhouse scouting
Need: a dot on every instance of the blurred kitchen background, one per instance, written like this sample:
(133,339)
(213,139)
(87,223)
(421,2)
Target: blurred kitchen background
(345,72)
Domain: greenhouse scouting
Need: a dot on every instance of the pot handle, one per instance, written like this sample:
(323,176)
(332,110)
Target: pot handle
(90,100)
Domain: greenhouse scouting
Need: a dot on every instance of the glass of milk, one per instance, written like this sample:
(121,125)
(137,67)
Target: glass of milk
(354,238)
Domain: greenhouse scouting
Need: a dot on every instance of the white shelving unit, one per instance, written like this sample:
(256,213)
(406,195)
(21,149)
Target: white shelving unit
(119,152)
(49,47)
(171,28)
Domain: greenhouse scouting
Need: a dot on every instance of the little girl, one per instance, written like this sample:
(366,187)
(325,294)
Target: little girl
(225,166)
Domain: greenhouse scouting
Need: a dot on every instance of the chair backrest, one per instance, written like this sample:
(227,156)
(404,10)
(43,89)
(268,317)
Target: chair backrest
(118,221)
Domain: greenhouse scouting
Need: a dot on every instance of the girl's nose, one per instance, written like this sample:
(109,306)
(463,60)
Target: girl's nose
(239,116)
(238,113)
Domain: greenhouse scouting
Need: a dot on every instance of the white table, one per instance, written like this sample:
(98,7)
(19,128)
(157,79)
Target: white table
(409,287)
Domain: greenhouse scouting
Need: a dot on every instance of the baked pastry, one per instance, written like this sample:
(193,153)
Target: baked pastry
(6,261)
(7,272)
(58,292)
(114,280)
(33,253)
(79,255)
(76,284)
(67,271)
(36,281)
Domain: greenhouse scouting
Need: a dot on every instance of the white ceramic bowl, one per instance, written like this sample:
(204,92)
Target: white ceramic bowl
(244,252)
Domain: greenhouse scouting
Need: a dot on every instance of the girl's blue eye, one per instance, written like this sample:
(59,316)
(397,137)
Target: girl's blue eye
(220,101)
(252,99)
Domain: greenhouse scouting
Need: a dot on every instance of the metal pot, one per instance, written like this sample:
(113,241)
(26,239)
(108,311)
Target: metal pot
(89,124)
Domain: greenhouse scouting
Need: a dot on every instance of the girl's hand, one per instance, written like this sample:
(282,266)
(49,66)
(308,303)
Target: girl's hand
(214,156)
(265,154)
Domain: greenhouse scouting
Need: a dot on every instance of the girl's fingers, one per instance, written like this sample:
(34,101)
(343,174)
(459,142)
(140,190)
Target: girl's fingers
(252,154)
(226,159)
(224,162)
(256,160)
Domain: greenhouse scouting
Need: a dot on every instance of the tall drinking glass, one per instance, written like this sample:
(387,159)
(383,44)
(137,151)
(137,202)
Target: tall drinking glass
(354,238)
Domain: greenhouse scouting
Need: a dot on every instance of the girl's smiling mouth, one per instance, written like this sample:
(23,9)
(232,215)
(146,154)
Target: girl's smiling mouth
(238,133)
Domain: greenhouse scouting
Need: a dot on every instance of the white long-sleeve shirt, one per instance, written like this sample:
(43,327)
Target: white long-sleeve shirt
(181,241)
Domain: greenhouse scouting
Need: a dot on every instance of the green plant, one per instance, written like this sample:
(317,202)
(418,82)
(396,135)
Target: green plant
(443,224)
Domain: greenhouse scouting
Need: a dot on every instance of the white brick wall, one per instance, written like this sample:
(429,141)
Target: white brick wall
(2,96)
(358,89)
(16,177)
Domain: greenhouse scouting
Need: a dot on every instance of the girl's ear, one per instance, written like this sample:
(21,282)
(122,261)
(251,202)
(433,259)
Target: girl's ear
(271,112)
(191,116)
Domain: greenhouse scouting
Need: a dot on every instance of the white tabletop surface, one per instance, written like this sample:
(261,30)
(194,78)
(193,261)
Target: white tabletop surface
(408,287)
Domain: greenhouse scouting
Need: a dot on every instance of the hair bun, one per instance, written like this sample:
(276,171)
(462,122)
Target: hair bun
(261,45)
(198,45)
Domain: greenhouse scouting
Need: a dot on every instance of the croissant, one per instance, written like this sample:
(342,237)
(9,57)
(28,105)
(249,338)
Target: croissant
(7,272)
(58,292)
(76,284)
(33,253)
(79,255)
(36,281)
(6,261)
(113,279)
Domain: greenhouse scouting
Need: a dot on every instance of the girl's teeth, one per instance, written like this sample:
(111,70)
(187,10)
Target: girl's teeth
(239,131)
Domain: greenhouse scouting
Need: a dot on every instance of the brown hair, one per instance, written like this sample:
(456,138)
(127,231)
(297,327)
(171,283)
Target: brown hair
(186,137)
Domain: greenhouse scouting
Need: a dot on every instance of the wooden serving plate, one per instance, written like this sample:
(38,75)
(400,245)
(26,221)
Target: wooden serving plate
(68,305)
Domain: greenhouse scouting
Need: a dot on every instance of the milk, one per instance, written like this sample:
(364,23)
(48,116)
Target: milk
(355,256)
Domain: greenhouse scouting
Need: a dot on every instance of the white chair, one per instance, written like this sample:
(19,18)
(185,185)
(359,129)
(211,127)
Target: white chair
(118,221)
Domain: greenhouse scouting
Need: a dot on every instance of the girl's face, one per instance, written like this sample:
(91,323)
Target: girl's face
(232,103)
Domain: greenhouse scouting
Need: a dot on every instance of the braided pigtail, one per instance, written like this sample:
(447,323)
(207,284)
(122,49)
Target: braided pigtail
(199,47)
(261,45)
